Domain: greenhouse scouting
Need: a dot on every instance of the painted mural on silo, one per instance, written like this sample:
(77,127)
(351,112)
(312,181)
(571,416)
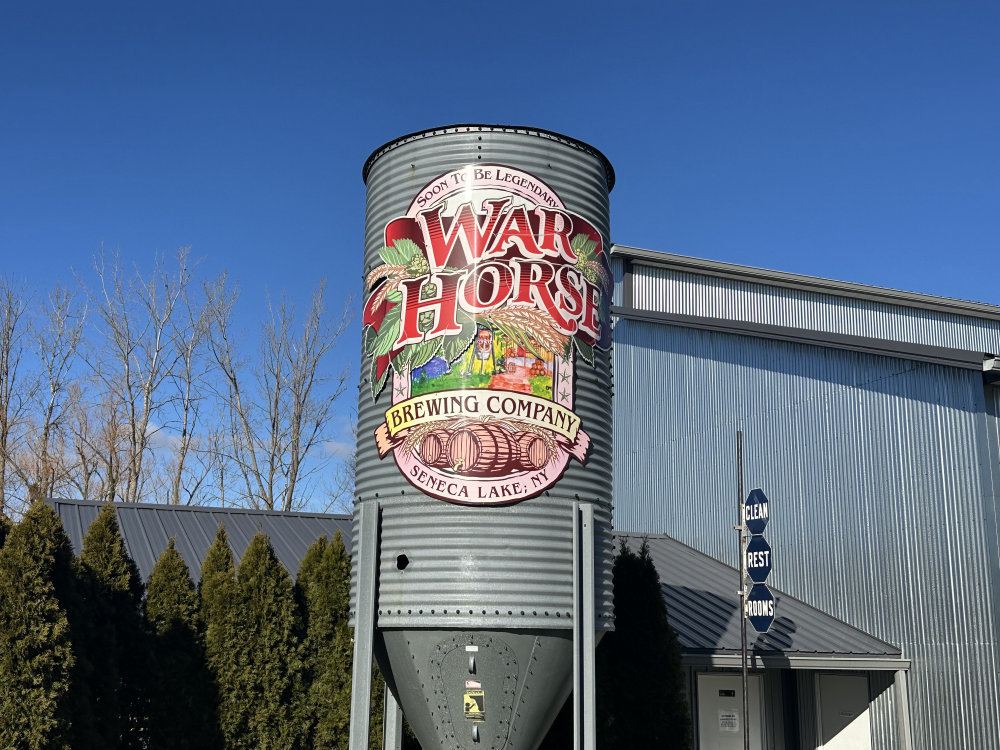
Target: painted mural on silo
(484,417)
(488,291)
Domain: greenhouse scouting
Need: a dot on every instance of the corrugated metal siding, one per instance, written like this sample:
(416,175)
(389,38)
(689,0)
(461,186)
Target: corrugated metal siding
(147,529)
(805,684)
(773,710)
(671,291)
(504,566)
(873,471)
(617,270)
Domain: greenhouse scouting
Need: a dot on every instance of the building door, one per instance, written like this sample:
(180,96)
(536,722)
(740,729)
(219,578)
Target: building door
(720,711)
(842,706)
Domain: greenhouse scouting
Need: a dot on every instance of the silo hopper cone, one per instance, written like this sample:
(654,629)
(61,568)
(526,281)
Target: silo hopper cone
(478,689)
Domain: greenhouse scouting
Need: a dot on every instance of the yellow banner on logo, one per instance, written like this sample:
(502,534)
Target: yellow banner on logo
(500,405)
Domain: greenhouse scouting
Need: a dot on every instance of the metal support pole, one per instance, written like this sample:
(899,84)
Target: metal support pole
(742,528)
(364,625)
(584,628)
(392,726)
(903,710)
(577,631)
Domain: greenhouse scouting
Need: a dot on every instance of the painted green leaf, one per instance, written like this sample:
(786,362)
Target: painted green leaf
(388,333)
(367,339)
(392,256)
(583,246)
(408,249)
(378,383)
(423,352)
(585,349)
(454,346)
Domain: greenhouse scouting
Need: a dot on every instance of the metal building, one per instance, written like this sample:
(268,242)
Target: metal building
(870,417)
(701,601)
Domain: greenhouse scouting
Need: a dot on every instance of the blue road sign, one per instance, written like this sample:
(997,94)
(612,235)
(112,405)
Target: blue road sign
(756,511)
(760,608)
(759,560)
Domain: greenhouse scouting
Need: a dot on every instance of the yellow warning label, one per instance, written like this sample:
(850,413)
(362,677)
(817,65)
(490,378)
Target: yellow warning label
(475,705)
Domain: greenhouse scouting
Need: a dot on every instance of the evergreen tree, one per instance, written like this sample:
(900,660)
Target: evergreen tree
(217,589)
(267,698)
(641,696)
(220,620)
(4,528)
(36,654)
(180,717)
(115,643)
(324,590)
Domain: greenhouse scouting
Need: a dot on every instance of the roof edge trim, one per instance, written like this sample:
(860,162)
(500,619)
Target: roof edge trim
(807,283)
(938,355)
(52,501)
(844,662)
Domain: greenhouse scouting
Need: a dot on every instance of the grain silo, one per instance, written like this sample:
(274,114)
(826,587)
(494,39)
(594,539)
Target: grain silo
(484,434)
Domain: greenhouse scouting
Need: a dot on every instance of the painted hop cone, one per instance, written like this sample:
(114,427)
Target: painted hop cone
(425,320)
(418,266)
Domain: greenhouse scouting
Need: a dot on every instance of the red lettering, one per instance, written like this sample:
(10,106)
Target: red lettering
(590,322)
(569,282)
(554,233)
(533,289)
(444,305)
(516,231)
(466,233)
(487,286)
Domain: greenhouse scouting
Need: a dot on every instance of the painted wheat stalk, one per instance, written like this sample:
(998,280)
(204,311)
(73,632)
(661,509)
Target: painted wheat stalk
(532,322)
(393,273)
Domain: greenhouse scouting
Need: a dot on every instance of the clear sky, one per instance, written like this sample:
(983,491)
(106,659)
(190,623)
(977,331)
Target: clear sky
(851,140)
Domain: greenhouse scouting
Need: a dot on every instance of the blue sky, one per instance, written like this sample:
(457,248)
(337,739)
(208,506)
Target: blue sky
(851,140)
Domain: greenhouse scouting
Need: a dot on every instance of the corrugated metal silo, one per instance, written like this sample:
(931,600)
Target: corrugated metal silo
(484,415)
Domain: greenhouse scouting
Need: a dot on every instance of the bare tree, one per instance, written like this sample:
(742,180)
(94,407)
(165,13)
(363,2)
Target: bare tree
(84,460)
(96,442)
(153,398)
(193,457)
(280,408)
(45,462)
(340,497)
(135,319)
(15,389)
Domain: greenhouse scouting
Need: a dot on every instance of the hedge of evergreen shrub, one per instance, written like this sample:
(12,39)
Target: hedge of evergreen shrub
(90,658)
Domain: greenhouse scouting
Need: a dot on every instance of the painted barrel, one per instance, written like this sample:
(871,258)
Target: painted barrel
(479,450)
(472,229)
(532,451)
(433,448)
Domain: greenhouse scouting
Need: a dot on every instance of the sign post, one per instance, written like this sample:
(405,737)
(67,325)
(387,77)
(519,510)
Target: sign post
(741,529)
(756,563)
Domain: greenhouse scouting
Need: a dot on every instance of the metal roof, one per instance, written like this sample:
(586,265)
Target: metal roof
(703,607)
(609,171)
(700,591)
(147,528)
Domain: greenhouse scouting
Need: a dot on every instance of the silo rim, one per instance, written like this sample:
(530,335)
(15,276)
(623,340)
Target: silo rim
(609,171)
